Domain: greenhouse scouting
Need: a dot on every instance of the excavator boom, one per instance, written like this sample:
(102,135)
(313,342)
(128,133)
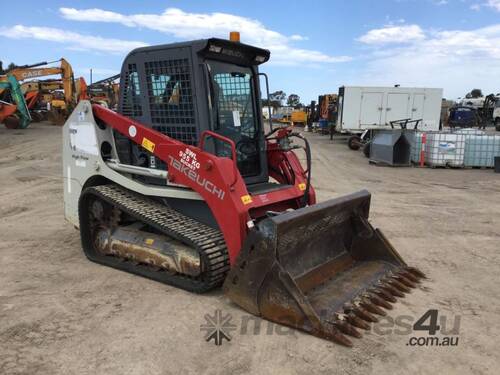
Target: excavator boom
(30,72)
(14,114)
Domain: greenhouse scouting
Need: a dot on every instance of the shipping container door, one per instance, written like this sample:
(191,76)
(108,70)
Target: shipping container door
(397,107)
(371,109)
(417,111)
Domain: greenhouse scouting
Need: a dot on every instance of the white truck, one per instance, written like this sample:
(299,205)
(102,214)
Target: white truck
(366,108)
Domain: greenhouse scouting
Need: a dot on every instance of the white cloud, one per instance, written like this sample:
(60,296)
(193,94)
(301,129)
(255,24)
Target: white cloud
(456,60)
(71,39)
(185,25)
(495,4)
(393,34)
(298,37)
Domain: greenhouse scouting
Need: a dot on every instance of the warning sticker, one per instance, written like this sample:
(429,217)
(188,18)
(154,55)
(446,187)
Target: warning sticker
(302,186)
(148,145)
(246,199)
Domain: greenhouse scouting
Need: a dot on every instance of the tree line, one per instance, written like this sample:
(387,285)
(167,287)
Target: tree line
(278,98)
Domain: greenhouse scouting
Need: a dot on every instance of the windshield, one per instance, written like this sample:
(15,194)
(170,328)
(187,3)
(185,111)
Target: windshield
(234,105)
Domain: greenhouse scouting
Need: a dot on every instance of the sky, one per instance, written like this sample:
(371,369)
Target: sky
(316,46)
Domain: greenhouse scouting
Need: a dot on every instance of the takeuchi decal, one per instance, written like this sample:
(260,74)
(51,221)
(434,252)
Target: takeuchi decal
(189,169)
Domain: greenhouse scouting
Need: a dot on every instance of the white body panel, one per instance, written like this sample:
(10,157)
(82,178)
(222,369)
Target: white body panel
(82,161)
(362,108)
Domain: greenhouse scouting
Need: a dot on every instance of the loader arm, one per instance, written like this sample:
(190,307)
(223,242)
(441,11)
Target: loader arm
(216,179)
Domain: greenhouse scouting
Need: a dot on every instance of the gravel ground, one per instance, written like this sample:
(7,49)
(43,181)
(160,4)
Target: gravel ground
(61,314)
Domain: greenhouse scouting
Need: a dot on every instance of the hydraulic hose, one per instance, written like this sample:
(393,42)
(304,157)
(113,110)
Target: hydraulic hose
(308,161)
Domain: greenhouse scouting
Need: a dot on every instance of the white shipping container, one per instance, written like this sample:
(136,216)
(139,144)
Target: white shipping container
(362,108)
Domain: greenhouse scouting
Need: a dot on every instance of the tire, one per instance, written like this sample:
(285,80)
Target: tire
(12,122)
(354,142)
(36,116)
(497,124)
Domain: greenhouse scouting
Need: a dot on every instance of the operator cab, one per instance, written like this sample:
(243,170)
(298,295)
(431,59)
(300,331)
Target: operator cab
(183,89)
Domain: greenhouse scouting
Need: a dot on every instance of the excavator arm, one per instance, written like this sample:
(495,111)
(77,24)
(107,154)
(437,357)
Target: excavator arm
(20,117)
(64,70)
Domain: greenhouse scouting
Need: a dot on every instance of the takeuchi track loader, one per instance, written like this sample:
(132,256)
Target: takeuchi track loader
(184,186)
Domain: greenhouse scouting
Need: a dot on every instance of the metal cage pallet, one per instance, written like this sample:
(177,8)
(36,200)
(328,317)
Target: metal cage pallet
(466,148)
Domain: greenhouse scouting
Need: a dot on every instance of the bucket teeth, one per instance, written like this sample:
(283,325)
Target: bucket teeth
(348,329)
(378,300)
(341,339)
(384,294)
(345,327)
(396,284)
(360,312)
(357,322)
(403,280)
(390,289)
(410,276)
(416,272)
(371,307)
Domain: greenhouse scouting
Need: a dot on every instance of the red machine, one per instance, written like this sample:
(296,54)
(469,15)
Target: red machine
(184,186)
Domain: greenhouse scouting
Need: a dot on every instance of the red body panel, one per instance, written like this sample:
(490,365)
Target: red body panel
(7,110)
(217,179)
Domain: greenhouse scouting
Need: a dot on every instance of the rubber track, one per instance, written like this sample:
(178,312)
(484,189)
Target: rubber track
(208,241)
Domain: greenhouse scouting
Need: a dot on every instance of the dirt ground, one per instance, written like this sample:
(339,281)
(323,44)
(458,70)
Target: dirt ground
(61,314)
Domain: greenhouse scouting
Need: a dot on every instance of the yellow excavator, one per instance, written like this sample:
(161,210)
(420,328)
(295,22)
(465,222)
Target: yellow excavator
(42,95)
(62,102)
(105,92)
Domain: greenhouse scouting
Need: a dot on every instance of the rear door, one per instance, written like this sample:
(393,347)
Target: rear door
(397,107)
(417,110)
(371,109)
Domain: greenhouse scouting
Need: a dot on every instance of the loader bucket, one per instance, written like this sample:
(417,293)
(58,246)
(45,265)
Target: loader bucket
(322,269)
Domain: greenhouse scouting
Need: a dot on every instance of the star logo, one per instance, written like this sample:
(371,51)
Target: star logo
(218,327)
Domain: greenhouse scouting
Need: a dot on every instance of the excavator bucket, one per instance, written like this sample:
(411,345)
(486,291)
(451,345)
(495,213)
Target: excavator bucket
(322,269)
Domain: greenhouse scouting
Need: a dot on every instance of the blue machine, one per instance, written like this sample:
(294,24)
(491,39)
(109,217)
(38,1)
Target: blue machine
(462,117)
